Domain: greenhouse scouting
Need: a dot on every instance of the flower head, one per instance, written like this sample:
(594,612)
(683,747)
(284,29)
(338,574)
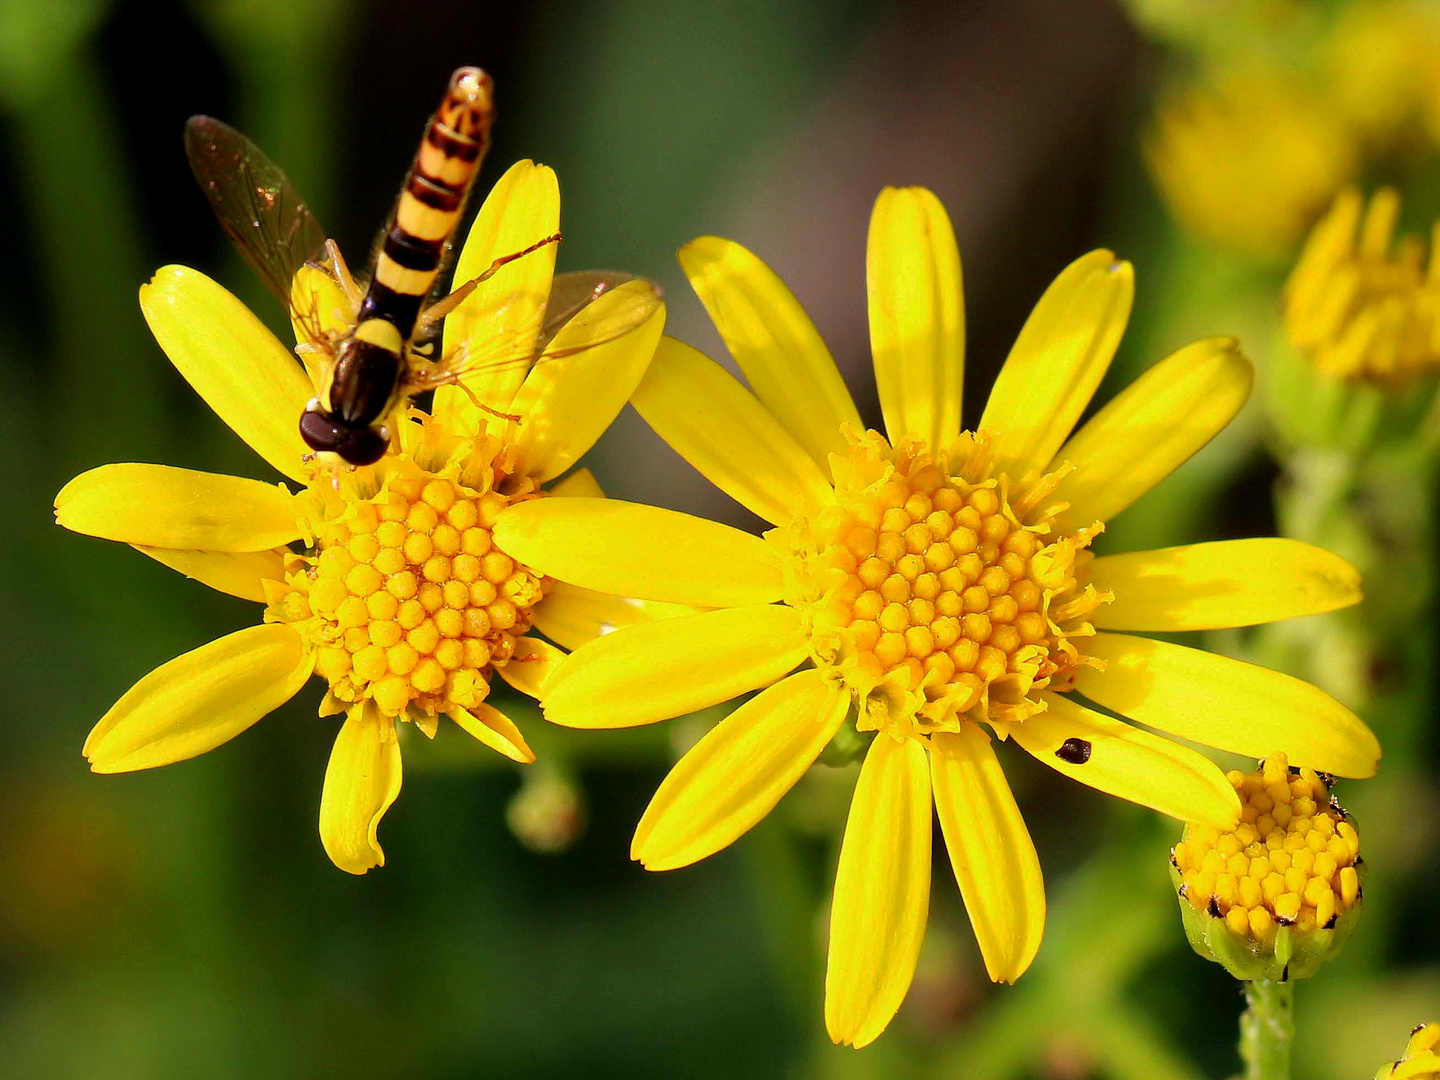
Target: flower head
(939,583)
(1247,159)
(1421,1060)
(385,580)
(1279,893)
(1360,304)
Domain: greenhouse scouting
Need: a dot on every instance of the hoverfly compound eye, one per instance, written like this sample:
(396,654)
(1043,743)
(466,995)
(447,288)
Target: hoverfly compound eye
(319,431)
(364,446)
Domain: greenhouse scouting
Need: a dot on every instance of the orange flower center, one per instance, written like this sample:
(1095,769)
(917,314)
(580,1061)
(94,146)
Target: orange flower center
(929,585)
(405,597)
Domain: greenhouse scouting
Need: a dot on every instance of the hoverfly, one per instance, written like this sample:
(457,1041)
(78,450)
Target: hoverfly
(383,353)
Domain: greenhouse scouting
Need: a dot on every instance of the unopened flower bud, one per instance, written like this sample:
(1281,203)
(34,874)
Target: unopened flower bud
(1421,1060)
(1278,894)
(547,814)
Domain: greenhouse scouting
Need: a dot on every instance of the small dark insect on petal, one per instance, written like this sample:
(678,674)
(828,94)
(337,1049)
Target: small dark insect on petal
(1074,751)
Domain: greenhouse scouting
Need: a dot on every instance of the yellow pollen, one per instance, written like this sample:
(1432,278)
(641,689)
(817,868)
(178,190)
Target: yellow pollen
(405,597)
(1290,862)
(932,593)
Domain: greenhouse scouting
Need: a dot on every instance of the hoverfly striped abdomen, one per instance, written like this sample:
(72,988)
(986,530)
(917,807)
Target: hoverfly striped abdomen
(371,361)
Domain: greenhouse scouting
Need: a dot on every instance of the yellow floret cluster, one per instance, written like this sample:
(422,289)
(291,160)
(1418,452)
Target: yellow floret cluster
(932,581)
(1361,304)
(1291,861)
(407,599)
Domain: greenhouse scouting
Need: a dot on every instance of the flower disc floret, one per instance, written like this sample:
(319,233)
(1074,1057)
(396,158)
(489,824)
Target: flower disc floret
(1283,886)
(938,591)
(405,596)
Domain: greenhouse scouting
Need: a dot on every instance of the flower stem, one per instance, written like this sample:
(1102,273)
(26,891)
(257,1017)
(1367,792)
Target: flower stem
(1267,1029)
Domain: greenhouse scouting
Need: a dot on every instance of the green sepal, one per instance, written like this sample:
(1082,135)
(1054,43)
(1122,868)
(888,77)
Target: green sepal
(1296,955)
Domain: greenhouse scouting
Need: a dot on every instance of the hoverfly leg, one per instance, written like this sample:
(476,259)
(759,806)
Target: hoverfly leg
(455,380)
(438,310)
(354,295)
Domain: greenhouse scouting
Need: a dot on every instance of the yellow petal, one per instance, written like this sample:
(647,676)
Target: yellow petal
(318,303)
(567,403)
(715,424)
(161,506)
(1118,759)
(1226,583)
(580,484)
(1227,703)
(774,342)
(990,851)
(238,366)
(200,700)
(496,730)
(532,663)
(633,550)
(1058,360)
(917,315)
(1151,428)
(657,670)
(503,316)
(573,616)
(736,774)
(882,893)
(361,782)
(239,573)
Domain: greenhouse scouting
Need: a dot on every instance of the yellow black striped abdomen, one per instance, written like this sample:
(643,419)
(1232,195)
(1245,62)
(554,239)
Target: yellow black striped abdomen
(432,201)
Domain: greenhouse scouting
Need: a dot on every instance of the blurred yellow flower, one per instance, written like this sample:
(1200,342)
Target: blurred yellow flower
(935,581)
(1359,303)
(401,601)
(1421,1060)
(1381,69)
(1247,159)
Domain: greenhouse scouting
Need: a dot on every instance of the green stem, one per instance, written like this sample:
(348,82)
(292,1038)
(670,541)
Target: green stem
(1267,1029)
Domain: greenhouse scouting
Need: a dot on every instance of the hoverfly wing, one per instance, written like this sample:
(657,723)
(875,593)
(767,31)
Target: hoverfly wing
(572,325)
(270,225)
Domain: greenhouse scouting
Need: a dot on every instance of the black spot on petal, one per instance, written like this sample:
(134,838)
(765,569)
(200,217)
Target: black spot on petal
(1074,751)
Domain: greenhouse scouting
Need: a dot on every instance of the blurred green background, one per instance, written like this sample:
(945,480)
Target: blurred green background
(185,922)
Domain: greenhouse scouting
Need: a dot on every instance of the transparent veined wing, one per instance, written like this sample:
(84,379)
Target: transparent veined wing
(570,295)
(270,225)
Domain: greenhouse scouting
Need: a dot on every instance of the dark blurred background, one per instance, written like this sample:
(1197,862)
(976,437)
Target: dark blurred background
(186,922)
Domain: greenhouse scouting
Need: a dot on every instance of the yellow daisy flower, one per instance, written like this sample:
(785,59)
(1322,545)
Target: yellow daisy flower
(401,599)
(939,582)
(1362,304)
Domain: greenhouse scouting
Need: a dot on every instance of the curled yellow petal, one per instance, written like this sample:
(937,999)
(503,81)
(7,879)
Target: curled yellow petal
(882,893)
(162,506)
(531,665)
(633,550)
(237,365)
(736,774)
(917,315)
(719,427)
(239,573)
(566,403)
(202,699)
(502,318)
(774,343)
(990,851)
(1227,704)
(1151,428)
(657,670)
(361,782)
(1121,760)
(490,726)
(572,616)
(1220,584)
(1058,360)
